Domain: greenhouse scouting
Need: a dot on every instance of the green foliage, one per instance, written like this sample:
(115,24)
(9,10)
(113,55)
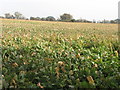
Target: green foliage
(37,64)
(53,60)
(50,18)
(66,17)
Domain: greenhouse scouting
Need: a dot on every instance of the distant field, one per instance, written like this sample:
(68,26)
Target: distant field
(21,28)
(59,54)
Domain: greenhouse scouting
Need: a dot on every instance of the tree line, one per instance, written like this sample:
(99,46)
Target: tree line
(64,17)
(16,15)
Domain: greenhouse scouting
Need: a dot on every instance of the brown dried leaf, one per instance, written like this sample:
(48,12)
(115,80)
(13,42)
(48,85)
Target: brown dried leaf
(90,79)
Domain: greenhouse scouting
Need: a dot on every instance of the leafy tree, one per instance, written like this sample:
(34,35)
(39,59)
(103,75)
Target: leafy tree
(83,21)
(43,19)
(9,16)
(50,18)
(18,15)
(66,17)
(35,18)
(73,20)
(113,21)
(32,18)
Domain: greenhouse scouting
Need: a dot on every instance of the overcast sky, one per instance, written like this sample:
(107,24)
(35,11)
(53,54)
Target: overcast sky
(87,9)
